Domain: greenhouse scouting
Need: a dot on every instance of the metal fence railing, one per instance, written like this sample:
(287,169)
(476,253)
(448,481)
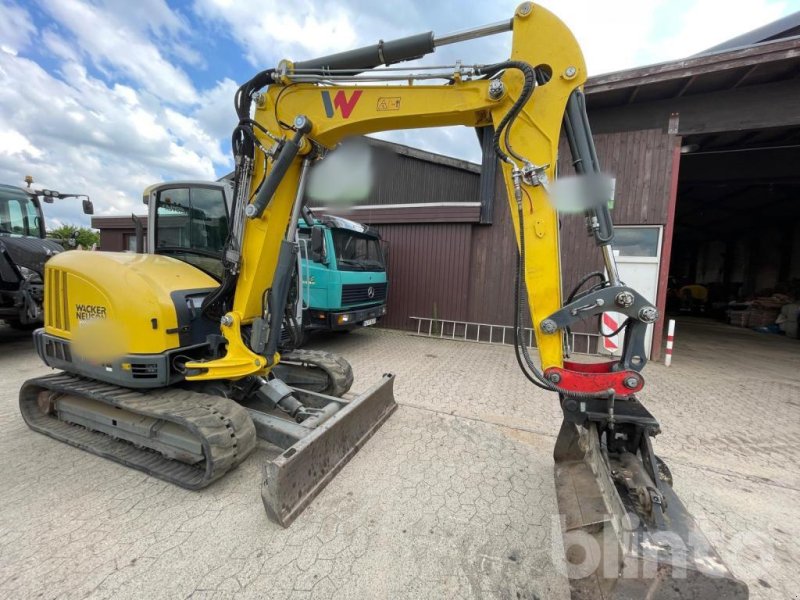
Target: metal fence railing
(487,333)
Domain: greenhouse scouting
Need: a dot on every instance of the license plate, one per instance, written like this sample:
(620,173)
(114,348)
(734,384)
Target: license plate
(369,322)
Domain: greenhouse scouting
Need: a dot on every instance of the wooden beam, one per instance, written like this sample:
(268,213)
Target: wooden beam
(741,221)
(734,59)
(744,76)
(742,166)
(750,107)
(686,85)
(666,244)
(466,212)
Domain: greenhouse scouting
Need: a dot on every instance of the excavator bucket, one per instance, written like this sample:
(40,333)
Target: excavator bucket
(315,453)
(615,547)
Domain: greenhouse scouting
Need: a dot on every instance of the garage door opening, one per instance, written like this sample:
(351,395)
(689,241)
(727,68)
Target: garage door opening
(736,242)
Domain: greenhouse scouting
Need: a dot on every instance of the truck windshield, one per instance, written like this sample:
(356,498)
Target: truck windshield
(357,252)
(18,215)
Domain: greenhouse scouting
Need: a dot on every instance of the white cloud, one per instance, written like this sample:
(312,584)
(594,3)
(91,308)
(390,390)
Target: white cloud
(16,28)
(140,122)
(705,24)
(620,34)
(275,27)
(194,135)
(610,33)
(215,112)
(115,39)
(78,134)
(13,143)
(58,46)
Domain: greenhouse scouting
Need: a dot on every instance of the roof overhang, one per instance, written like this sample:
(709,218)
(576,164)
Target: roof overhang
(725,70)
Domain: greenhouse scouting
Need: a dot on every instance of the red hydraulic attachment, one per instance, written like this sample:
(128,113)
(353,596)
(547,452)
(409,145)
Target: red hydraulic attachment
(595,378)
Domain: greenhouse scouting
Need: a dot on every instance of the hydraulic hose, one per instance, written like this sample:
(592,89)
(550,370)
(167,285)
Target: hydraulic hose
(243,142)
(529,369)
(583,281)
(524,360)
(527,89)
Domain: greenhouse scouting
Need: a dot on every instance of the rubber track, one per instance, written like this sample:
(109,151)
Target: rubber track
(225,429)
(340,373)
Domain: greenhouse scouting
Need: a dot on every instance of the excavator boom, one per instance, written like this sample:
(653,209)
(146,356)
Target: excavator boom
(604,459)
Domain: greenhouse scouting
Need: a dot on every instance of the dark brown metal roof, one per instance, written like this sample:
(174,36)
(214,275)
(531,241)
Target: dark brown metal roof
(116,222)
(416,153)
(784,27)
(431,157)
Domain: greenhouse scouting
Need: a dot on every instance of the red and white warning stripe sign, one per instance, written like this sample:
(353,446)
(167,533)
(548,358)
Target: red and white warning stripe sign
(670,338)
(610,323)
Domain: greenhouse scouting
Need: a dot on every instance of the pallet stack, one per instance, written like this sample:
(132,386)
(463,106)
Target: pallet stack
(762,312)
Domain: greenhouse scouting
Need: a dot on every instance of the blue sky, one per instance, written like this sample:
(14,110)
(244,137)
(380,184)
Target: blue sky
(107,96)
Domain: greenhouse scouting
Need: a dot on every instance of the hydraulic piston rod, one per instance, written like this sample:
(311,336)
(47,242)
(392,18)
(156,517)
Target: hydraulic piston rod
(399,50)
(474,33)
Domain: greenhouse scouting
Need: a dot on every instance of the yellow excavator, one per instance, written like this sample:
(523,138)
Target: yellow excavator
(174,372)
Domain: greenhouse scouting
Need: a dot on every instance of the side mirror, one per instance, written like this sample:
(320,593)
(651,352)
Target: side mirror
(317,249)
(88,207)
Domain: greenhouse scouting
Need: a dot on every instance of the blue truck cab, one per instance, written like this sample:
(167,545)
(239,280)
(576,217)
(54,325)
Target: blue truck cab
(343,270)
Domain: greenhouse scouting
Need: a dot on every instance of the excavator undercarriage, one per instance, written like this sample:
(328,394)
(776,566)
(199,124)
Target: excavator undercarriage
(191,438)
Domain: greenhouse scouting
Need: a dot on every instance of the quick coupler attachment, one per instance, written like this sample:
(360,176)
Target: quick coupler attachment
(626,533)
(319,446)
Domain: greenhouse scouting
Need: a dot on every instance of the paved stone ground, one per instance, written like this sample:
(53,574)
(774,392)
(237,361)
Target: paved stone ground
(453,497)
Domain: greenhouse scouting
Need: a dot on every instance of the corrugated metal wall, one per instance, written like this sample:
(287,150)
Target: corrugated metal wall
(405,179)
(494,262)
(642,163)
(466,272)
(428,271)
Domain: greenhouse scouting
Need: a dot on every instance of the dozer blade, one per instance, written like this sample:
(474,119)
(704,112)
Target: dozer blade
(614,549)
(293,479)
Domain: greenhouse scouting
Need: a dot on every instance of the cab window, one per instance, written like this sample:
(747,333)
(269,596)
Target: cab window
(192,218)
